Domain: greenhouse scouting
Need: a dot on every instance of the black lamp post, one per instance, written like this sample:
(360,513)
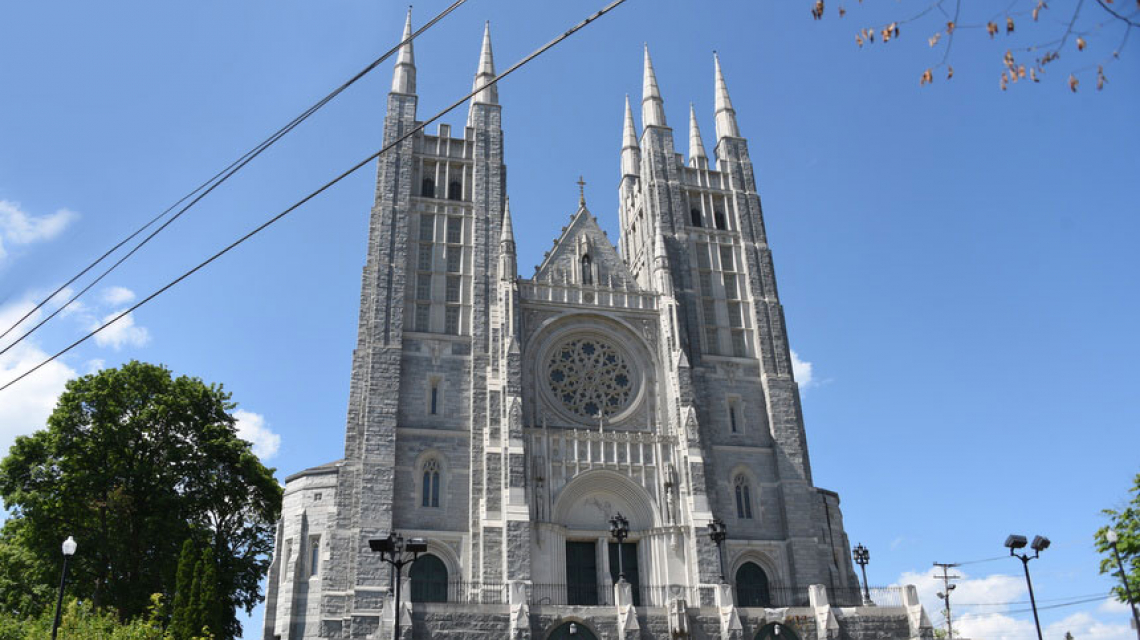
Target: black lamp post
(619,528)
(1039,544)
(69,546)
(394,550)
(1112,538)
(718,532)
(863,558)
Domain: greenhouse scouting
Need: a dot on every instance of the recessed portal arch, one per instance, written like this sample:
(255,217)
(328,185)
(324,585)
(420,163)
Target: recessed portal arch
(589,500)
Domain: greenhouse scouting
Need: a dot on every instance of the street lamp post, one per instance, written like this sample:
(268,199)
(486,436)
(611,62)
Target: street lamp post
(718,532)
(1112,538)
(862,558)
(394,550)
(619,528)
(1039,544)
(69,546)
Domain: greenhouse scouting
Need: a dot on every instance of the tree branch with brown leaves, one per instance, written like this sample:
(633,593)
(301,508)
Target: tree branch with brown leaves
(1030,52)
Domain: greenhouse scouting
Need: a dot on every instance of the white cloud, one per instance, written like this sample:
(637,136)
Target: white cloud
(1084,626)
(123,332)
(96,365)
(801,370)
(19,227)
(24,408)
(251,427)
(1112,605)
(997,621)
(116,296)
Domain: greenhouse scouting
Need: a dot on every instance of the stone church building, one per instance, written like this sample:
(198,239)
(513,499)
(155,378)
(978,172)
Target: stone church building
(506,420)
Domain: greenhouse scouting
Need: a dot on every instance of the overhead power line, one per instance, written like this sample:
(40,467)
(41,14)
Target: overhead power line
(205,188)
(1094,596)
(420,127)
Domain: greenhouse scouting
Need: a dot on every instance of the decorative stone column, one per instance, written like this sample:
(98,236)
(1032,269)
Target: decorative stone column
(826,624)
(678,618)
(919,622)
(628,627)
(730,626)
(520,609)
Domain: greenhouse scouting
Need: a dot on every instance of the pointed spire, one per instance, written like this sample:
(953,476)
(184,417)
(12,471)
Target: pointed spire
(508,233)
(652,106)
(508,265)
(486,71)
(696,147)
(630,150)
(661,271)
(404,77)
(725,114)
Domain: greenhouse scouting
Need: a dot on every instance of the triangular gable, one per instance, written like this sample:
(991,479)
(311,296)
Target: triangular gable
(583,237)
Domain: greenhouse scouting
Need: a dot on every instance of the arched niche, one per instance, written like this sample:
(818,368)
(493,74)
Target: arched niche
(589,500)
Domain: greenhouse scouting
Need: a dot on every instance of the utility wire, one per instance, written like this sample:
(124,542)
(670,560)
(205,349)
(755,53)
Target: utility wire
(205,188)
(1095,596)
(982,560)
(534,54)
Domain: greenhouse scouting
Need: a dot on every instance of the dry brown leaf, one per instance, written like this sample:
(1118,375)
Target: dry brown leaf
(991,29)
(933,40)
(1033,75)
(1009,25)
(1004,81)
(927,77)
(859,40)
(817,10)
(842,12)
(1100,78)
(1081,43)
(1073,82)
(949,72)
(950,25)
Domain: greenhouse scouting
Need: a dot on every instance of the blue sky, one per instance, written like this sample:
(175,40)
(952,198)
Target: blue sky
(957,263)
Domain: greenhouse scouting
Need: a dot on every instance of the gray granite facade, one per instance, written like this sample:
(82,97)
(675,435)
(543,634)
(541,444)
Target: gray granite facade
(505,420)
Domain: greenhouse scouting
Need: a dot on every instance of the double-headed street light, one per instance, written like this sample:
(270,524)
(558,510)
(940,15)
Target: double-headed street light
(718,532)
(69,547)
(619,528)
(863,558)
(1039,544)
(1112,538)
(394,550)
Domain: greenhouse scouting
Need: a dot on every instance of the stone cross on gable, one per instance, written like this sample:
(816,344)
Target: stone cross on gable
(581,191)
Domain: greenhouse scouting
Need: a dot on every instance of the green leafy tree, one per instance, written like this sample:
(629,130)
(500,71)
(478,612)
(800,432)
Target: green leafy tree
(179,616)
(1126,522)
(133,462)
(204,617)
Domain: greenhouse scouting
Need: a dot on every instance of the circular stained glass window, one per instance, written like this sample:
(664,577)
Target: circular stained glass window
(591,376)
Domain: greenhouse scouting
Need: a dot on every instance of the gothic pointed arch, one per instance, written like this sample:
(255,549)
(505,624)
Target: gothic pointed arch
(429,579)
(591,498)
(752,586)
(571,629)
(776,631)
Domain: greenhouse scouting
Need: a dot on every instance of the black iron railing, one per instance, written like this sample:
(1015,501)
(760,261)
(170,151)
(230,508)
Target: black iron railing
(459,592)
(602,594)
(583,595)
(880,596)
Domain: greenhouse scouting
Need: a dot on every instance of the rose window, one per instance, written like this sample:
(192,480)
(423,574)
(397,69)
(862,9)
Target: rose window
(591,376)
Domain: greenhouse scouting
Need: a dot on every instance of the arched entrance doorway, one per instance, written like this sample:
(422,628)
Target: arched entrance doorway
(752,586)
(571,631)
(776,631)
(429,579)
